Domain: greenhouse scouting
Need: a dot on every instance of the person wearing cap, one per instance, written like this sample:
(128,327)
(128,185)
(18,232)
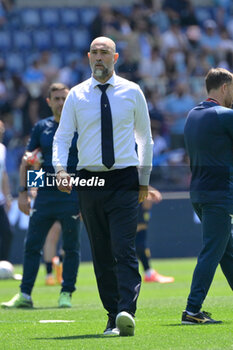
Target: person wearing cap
(210,38)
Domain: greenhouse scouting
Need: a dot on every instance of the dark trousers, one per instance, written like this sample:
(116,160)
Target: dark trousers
(40,223)
(5,235)
(143,252)
(110,216)
(217,249)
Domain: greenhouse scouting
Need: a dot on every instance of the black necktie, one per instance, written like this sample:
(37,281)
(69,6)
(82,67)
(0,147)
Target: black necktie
(108,157)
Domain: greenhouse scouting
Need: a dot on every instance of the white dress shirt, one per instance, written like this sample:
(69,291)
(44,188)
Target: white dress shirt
(131,123)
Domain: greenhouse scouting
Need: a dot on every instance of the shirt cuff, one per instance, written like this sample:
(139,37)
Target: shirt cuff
(59,168)
(144,175)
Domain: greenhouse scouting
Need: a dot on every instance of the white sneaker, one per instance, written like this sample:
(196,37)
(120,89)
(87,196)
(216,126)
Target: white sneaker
(125,323)
(111,331)
(111,326)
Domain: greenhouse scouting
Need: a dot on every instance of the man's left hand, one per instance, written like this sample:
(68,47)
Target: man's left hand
(154,195)
(64,182)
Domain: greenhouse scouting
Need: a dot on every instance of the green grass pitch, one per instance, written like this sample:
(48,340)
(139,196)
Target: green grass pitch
(157,319)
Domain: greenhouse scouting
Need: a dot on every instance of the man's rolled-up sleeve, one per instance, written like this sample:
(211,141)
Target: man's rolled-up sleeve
(143,139)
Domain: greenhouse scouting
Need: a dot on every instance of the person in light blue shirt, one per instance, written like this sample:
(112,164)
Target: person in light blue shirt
(210,38)
(176,106)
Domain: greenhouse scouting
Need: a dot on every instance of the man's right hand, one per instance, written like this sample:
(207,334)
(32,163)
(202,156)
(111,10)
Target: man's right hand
(63,180)
(24,202)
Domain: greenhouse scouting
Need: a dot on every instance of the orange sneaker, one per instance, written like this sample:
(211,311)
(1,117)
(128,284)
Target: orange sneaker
(57,266)
(50,280)
(154,276)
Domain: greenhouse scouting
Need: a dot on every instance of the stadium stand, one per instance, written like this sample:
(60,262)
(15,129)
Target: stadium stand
(167,36)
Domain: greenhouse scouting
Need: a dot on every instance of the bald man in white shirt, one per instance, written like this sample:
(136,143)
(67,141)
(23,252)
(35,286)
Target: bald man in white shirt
(110,114)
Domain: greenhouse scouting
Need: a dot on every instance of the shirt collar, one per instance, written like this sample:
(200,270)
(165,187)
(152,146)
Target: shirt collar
(209,99)
(111,81)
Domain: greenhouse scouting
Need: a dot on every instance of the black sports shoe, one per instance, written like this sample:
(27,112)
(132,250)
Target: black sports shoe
(201,317)
(111,326)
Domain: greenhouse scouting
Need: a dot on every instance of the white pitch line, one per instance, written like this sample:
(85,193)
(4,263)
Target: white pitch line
(56,321)
(175,195)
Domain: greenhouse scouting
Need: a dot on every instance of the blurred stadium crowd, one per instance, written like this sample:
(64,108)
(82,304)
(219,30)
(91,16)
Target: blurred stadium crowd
(166,46)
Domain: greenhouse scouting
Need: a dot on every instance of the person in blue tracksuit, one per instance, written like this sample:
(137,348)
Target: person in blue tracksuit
(209,140)
(50,205)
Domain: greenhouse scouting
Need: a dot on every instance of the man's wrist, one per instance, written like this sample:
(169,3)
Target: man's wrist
(60,171)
